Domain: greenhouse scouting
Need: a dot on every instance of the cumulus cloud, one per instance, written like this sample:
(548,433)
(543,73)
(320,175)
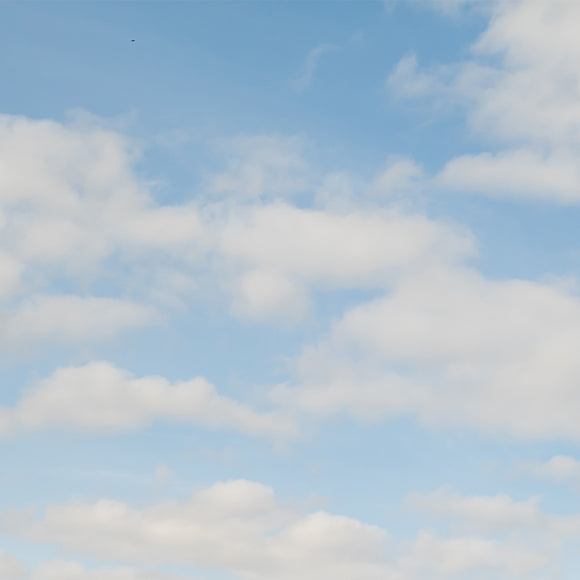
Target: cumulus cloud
(520,87)
(432,557)
(101,398)
(71,206)
(406,81)
(339,249)
(272,256)
(63,570)
(241,527)
(444,343)
(74,214)
(451,348)
(401,175)
(487,513)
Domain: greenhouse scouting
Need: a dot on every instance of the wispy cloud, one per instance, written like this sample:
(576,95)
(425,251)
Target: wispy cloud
(312,62)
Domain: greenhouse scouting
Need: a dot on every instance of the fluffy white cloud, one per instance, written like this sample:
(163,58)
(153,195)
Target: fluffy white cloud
(432,557)
(283,248)
(75,214)
(452,348)
(529,97)
(406,81)
(98,397)
(240,527)
(71,206)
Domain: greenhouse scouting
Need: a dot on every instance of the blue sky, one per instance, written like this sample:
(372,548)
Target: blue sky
(288,290)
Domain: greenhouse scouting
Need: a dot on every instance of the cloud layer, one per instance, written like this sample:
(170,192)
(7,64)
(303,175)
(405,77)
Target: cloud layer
(242,528)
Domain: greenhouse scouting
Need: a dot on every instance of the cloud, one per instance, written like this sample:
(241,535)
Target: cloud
(453,349)
(559,469)
(497,515)
(240,527)
(282,250)
(401,175)
(70,318)
(312,62)
(441,559)
(13,569)
(521,88)
(76,215)
(101,398)
(73,212)
(516,174)
(482,513)
(444,343)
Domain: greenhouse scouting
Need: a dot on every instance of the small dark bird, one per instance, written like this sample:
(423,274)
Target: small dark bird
(132,41)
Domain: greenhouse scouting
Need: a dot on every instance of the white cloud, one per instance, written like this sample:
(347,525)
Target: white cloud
(72,318)
(517,173)
(11,568)
(282,249)
(400,176)
(560,468)
(100,398)
(75,214)
(444,344)
(535,95)
(240,527)
(532,94)
(61,570)
(487,513)
(451,348)
(71,206)
(521,87)
(498,515)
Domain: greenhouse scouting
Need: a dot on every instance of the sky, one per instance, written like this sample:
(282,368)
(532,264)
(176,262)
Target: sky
(289,290)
